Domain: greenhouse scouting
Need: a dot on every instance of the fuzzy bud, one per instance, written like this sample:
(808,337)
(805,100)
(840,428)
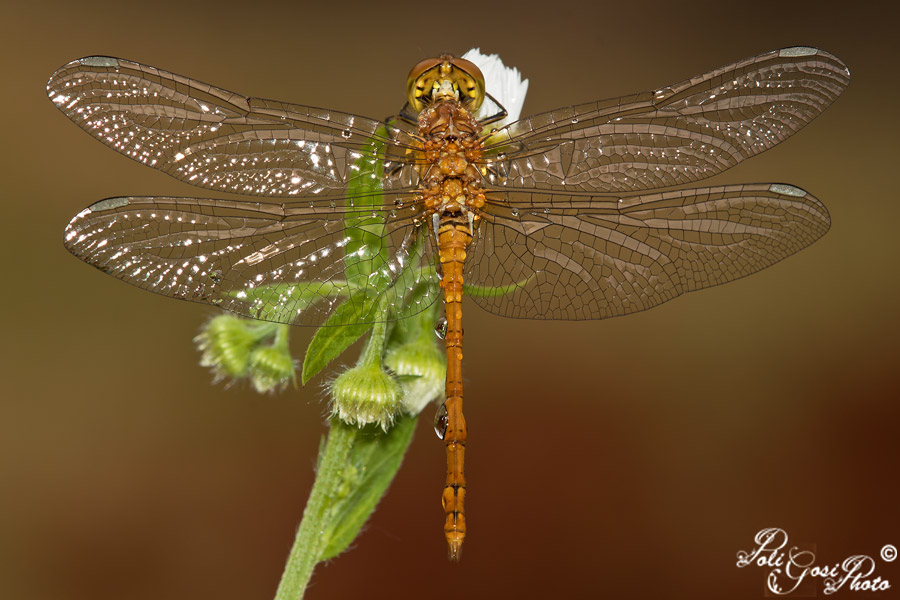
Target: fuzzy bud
(226,343)
(422,368)
(366,394)
(271,368)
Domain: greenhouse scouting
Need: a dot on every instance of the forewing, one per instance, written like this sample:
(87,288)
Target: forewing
(587,257)
(221,140)
(671,136)
(287,263)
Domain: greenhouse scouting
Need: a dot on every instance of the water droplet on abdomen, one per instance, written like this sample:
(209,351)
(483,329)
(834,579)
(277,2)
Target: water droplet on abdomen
(440,421)
(440,328)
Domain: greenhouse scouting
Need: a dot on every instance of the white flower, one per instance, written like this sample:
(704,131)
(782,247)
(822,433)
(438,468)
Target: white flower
(502,82)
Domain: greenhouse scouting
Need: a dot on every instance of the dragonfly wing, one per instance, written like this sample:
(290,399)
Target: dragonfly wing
(286,263)
(587,257)
(220,140)
(671,136)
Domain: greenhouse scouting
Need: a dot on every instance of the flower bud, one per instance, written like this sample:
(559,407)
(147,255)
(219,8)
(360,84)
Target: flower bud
(226,342)
(366,394)
(422,368)
(271,368)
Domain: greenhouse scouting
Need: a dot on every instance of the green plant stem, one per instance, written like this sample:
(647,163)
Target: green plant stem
(374,350)
(283,338)
(373,353)
(310,541)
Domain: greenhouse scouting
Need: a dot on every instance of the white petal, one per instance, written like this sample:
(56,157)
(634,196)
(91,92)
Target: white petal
(502,82)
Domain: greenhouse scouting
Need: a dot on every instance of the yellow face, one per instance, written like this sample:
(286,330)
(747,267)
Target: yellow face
(445,78)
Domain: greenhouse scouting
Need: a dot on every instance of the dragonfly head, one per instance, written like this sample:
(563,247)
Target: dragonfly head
(445,78)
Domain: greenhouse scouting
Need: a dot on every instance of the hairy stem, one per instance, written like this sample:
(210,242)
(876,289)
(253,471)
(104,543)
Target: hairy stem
(283,338)
(356,467)
(373,352)
(310,541)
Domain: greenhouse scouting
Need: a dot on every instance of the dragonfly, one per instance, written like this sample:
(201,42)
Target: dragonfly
(577,213)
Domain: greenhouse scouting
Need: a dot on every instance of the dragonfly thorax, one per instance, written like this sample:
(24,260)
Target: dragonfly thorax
(449,120)
(452,149)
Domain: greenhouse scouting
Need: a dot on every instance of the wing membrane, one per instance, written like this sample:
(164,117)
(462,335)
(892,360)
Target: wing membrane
(286,263)
(218,139)
(588,257)
(674,135)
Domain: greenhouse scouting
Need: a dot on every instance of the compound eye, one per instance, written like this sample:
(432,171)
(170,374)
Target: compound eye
(421,67)
(471,88)
(419,80)
(466,78)
(472,82)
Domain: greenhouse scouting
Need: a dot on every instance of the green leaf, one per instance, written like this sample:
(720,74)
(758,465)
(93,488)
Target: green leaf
(366,253)
(413,283)
(281,302)
(407,379)
(355,469)
(373,461)
(484,291)
(365,264)
(338,333)
(412,327)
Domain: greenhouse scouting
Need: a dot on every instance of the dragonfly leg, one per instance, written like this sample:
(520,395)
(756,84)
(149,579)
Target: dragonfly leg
(499,116)
(406,114)
(436,223)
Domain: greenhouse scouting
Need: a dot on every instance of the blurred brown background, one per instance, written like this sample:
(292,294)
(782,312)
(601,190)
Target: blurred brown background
(631,457)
